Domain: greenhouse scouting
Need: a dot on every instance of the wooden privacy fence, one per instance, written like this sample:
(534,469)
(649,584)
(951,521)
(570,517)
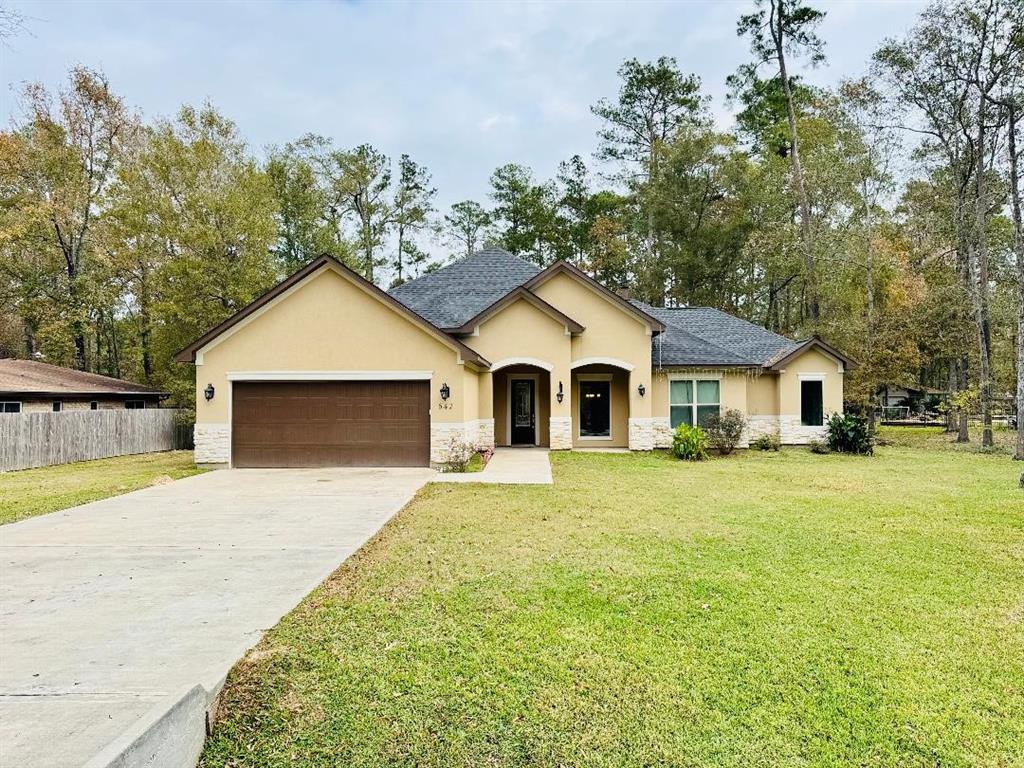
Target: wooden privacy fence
(40,439)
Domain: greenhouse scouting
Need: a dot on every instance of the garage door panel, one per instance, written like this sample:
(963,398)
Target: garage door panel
(321,424)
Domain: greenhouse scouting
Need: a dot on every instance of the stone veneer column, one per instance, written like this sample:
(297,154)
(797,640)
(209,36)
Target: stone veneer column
(485,435)
(213,443)
(560,438)
(662,432)
(641,434)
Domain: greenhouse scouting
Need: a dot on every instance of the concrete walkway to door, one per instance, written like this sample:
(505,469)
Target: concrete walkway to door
(518,466)
(111,611)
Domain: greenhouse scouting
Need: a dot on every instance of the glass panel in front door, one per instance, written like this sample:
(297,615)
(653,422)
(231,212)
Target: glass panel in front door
(523,411)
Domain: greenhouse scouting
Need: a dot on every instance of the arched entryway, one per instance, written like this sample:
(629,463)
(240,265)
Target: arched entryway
(522,403)
(600,412)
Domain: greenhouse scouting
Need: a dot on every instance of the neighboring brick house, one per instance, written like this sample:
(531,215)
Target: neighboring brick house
(326,369)
(28,386)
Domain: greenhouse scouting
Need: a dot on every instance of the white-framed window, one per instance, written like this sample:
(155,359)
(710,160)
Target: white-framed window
(10,406)
(812,399)
(692,401)
(594,398)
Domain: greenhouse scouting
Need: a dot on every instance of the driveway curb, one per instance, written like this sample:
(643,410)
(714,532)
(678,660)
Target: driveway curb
(166,736)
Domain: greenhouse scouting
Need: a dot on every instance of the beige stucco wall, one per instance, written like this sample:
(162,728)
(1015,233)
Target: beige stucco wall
(521,330)
(619,407)
(610,332)
(763,394)
(328,323)
(811,362)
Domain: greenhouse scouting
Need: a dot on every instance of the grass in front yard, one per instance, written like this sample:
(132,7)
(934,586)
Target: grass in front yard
(761,610)
(30,492)
(936,438)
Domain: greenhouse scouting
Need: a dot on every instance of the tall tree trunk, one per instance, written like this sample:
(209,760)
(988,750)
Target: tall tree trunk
(145,324)
(952,386)
(814,306)
(981,289)
(401,247)
(1015,207)
(963,434)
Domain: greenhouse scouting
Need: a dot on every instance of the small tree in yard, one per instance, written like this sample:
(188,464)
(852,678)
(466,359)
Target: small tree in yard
(725,430)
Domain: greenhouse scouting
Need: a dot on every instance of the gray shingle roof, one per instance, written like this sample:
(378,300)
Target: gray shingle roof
(693,336)
(460,291)
(706,336)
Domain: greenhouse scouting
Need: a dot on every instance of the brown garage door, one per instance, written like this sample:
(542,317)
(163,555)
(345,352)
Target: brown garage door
(331,424)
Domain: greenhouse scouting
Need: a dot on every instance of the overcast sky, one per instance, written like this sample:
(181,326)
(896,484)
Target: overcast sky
(462,87)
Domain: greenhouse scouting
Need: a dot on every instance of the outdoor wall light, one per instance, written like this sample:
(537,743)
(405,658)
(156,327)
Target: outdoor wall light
(208,392)
(445,392)
(559,396)
(642,390)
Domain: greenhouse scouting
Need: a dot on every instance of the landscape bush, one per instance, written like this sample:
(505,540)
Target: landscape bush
(459,453)
(850,433)
(819,446)
(767,442)
(689,443)
(725,430)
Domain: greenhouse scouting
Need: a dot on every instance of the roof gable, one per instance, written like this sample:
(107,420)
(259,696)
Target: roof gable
(564,267)
(189,353)
(780,361)
(519,294)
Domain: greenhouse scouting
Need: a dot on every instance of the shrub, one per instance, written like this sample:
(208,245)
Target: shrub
(818,446)
(689,443)
(725,431)
(459,452)
(766,442)
(850,433)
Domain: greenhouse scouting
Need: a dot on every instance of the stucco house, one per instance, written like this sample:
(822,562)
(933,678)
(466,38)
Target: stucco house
(327,369)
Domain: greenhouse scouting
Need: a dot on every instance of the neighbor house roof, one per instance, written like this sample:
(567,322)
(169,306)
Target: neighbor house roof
(455,294)
(30,377)
(188,354)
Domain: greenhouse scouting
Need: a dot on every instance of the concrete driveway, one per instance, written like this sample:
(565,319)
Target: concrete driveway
(111,610)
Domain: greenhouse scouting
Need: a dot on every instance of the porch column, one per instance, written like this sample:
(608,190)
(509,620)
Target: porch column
(560,423)
(642,426)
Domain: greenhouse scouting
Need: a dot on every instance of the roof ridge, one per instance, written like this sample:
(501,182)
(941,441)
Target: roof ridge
(462,260)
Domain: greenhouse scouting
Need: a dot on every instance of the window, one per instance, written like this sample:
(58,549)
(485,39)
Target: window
(812,412)
(692,401)
(93,405)
(134,404)
(56,406)
(10,406)
(595,408)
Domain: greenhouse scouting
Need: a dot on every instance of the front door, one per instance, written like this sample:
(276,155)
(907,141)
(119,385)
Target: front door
(524,415)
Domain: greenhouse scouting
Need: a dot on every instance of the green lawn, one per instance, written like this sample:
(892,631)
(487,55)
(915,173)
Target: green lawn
(769,609)
(30,492)
(936,438)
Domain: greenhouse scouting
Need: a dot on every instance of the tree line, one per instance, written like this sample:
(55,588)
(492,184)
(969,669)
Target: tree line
(883,214)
